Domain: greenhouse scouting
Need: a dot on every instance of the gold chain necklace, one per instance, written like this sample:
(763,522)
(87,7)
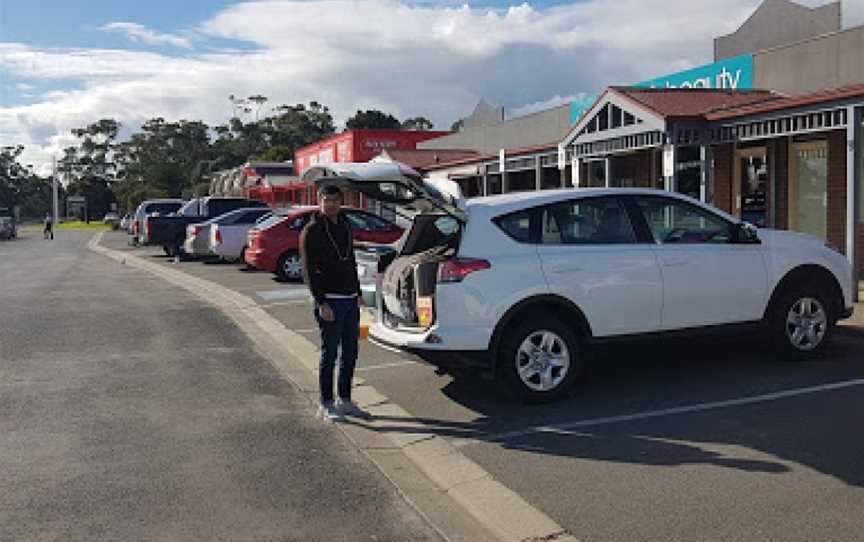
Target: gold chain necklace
(333,242)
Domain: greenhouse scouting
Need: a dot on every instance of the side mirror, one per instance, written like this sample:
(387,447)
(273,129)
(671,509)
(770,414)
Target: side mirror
(745,233)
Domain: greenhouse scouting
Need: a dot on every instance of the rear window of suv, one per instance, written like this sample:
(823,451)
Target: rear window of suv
(517,225)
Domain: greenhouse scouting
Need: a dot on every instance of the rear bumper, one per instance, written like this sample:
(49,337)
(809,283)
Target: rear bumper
(260,260)
(444,354)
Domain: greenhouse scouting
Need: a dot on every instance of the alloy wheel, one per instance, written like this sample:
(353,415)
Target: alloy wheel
(292,268)
(806,324)
(542,360)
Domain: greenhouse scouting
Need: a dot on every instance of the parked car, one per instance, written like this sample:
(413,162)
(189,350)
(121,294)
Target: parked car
(154,207)
(111,218)
(8,228)
(227,239)
(198,235)
(170,231)
(523,284)
(126,223)
(274,245)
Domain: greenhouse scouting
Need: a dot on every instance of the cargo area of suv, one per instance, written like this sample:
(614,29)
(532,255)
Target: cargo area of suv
(409,277)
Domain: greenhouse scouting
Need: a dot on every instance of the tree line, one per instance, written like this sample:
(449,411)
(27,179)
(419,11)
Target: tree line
(174,158)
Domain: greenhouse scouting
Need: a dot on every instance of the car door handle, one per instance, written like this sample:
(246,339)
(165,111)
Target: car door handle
(564,269)
(675,262)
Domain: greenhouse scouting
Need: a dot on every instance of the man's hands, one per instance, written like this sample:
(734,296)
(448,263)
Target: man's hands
(326,312)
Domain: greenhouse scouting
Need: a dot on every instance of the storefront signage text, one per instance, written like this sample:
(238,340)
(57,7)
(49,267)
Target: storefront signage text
(732,73)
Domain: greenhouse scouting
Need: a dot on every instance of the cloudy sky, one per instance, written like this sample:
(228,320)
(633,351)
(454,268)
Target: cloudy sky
(66,63)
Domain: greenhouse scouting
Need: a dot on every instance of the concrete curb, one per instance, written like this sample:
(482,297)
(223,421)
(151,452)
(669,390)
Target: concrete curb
(495,507)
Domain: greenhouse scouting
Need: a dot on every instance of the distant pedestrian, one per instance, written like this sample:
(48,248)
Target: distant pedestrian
(48,232)
(330,272)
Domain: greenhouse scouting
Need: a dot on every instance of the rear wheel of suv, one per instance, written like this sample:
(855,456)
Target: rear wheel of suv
(540,358)
(801,323)
(289,266)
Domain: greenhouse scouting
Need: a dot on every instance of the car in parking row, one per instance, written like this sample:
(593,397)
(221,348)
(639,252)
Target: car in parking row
(275,244)
(523,285)
(223,236)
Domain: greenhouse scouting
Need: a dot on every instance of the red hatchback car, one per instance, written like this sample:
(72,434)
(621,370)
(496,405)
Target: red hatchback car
(274,245)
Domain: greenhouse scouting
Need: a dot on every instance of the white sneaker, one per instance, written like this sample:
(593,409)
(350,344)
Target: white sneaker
(348,408)
(328,412)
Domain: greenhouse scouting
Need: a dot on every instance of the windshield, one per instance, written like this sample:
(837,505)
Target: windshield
(162,208)
(270,221)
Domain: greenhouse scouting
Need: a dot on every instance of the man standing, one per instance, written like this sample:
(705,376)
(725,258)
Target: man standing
(49,227)
(330,272)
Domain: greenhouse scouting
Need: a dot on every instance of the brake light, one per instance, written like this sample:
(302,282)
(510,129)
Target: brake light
(218,237)
(147,226)
(456,269)
(135,227)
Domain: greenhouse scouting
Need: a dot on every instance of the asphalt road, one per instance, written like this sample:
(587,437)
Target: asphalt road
(131,410)
(774,452)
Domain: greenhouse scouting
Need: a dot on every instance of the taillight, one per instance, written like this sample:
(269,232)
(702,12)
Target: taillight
(147,226)
(456,269)
(218,237)
(135,227)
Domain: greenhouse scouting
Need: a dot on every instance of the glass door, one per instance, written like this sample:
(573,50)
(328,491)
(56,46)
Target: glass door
(750,190)
(808,188)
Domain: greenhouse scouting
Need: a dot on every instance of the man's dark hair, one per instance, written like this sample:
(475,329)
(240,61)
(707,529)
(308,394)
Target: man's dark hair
(330,190)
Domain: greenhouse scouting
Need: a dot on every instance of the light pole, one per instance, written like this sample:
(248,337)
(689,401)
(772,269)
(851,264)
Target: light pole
(56,203)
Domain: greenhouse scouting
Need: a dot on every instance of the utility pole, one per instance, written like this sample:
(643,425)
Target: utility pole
(56,206)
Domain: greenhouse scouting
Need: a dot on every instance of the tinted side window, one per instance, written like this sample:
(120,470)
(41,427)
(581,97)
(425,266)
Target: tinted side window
(516,225)
(595,221)
(673,221)
(375,223)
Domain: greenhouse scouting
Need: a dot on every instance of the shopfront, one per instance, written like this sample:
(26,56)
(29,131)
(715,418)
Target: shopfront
(775,161)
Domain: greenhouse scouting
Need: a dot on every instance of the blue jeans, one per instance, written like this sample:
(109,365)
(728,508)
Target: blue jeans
(343,331)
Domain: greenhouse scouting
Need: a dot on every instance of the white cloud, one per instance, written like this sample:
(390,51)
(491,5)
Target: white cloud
(542,105)
(435,61)
(137,32)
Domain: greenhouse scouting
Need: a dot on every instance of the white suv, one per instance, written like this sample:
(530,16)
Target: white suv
(523,283)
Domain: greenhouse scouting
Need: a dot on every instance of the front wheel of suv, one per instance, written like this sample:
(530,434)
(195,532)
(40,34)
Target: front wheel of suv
(540,358)
(801,323)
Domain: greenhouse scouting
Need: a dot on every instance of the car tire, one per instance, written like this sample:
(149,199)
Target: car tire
(801,323)
(168,250)
(289,267)
(540,358)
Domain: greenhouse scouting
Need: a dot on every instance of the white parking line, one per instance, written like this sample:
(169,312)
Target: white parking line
(386,365)
(699,407)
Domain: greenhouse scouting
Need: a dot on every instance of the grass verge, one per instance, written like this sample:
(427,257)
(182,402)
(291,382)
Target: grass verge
(79,225)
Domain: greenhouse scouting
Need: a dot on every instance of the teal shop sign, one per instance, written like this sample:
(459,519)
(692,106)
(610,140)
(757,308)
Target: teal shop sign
(733,74)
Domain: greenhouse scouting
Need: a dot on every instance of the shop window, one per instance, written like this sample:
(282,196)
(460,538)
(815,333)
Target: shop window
(808,188)
(596,173)
(689,166)
(861,176)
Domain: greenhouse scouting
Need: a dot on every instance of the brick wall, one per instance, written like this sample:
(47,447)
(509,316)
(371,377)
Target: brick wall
(723,177)
(780,198)
(837,188)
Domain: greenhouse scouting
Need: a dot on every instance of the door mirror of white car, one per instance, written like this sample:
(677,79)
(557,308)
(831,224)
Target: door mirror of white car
(745,233)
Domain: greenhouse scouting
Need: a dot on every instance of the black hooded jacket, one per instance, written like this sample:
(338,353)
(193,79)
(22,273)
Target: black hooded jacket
(329,249)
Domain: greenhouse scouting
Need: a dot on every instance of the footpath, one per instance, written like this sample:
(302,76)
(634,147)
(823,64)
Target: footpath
(457,496)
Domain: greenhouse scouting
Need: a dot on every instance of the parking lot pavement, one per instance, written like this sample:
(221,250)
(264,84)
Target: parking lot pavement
(770,467)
